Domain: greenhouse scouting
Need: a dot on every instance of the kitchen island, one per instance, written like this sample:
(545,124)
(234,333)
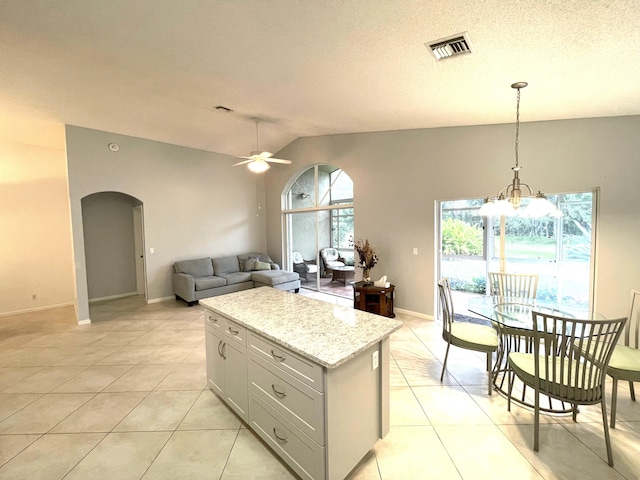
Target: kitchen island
(310,378)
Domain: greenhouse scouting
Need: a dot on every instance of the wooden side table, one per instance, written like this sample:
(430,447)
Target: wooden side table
(373,299)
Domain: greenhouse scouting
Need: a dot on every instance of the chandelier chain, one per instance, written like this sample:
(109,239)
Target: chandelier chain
(517,124)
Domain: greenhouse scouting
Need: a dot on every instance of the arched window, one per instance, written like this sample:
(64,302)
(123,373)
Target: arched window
(318,214)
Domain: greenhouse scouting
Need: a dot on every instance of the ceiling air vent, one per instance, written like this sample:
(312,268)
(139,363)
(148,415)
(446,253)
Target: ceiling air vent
(450,46)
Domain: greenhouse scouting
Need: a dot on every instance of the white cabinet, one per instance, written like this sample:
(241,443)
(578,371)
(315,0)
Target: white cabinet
(227,361)
(321,421)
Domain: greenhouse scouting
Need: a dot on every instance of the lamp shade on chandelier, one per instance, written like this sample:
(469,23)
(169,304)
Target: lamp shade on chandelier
(508,200)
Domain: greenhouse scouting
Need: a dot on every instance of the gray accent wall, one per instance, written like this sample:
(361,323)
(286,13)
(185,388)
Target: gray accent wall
(195,203)
(400,175)
(107,219)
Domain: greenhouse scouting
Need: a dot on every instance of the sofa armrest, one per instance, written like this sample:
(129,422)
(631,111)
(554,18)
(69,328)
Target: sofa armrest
(275,266)
(184,286)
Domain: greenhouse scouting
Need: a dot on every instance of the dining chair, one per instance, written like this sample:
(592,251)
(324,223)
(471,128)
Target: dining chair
(516,285)
(569,363)
(471,336)
(625,360)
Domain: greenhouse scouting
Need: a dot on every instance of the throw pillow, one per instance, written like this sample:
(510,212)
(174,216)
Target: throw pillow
(250,264)
(262,265)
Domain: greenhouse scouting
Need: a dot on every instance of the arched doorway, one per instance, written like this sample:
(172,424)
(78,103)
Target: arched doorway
(113,245)
(318,214)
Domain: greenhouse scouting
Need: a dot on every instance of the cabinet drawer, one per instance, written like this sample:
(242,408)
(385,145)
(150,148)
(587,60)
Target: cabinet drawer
(300,452)
(214,320)
(297,401)
(299,367)
(235,332)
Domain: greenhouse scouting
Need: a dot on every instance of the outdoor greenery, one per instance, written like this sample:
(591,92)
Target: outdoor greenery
(543,244)
(460,238)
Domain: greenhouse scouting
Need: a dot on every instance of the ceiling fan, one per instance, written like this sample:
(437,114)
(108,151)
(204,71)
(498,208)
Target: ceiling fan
(257,160)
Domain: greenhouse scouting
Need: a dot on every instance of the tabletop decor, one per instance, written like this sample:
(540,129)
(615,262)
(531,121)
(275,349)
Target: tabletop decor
(367,255)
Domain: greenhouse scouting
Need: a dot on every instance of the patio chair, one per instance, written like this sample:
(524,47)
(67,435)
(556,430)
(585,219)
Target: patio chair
(480,338)
(569,363)
(303,267)
(625,360)
(330,257)
(515,285)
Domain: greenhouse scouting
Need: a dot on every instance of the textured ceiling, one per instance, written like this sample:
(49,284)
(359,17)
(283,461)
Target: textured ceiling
(157,68)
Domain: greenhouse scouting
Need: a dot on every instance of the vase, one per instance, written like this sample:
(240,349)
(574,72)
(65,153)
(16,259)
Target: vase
(365,274)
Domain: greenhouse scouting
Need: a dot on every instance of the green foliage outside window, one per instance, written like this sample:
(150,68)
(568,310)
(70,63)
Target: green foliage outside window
(460,238)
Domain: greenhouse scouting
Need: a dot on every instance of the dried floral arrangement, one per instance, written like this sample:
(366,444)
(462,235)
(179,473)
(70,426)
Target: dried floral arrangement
(367,255)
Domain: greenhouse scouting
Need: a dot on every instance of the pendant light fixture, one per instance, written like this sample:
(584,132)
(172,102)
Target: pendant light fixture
(507,200)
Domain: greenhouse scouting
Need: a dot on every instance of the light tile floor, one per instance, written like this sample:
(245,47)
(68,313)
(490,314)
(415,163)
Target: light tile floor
(125,398)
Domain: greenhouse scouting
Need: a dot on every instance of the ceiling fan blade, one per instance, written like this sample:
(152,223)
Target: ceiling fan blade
(242,163)
(278,160)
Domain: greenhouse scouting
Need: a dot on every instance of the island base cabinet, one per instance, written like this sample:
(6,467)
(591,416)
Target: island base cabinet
(226,365)
(215,361)
(302,454)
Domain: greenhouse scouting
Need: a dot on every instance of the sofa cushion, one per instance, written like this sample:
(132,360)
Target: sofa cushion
(204,283)
(247,261)
(201,267)
(224,265)
(249,265)
(274,277)
(262,265)
(237,277)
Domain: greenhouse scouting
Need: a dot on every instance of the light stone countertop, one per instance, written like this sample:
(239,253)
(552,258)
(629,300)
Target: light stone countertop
(324,333)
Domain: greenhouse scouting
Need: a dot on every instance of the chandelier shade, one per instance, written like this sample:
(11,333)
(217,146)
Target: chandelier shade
(508,200)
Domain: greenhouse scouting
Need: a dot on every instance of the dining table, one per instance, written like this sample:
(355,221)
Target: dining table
(512,317)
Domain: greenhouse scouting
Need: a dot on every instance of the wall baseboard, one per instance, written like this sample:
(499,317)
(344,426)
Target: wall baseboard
(414,314)
(38,309)
(112,297)
(161,299)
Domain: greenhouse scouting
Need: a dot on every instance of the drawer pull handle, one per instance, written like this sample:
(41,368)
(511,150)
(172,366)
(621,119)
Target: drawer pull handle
(281,439)
(213,319)
(280,358)
(278,392)
(234,332)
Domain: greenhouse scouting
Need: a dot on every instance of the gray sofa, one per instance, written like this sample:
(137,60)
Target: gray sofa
(208,277)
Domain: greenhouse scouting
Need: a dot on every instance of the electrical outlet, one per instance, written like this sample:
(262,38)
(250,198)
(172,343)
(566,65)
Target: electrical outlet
(415,251)
(374,360)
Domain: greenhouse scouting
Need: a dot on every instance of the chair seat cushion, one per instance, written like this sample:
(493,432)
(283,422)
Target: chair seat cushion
(473,336)
(312,268)
(523,365)
(335,264)
(625,363)
(274,277)
(204,283)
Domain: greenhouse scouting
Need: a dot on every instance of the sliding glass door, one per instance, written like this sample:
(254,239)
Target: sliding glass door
(560,250)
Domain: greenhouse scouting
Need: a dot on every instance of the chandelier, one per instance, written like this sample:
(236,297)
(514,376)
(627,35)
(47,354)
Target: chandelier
(507,200)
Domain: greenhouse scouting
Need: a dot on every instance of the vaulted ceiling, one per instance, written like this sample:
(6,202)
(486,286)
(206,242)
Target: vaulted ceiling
(157,69)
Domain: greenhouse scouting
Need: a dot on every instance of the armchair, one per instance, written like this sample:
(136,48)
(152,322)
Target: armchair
(303,267)
(330,257)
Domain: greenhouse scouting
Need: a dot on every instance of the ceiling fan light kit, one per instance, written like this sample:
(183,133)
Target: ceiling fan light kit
(507,201)
(257,160)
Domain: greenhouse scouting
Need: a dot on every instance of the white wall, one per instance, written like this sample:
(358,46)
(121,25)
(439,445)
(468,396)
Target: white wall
(398,177)
(195,203)
(35,229)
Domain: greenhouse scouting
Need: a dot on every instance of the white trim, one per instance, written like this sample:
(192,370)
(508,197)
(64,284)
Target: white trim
(37,309)
(111,297)
(84,322)
(161,299)
(414,314)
